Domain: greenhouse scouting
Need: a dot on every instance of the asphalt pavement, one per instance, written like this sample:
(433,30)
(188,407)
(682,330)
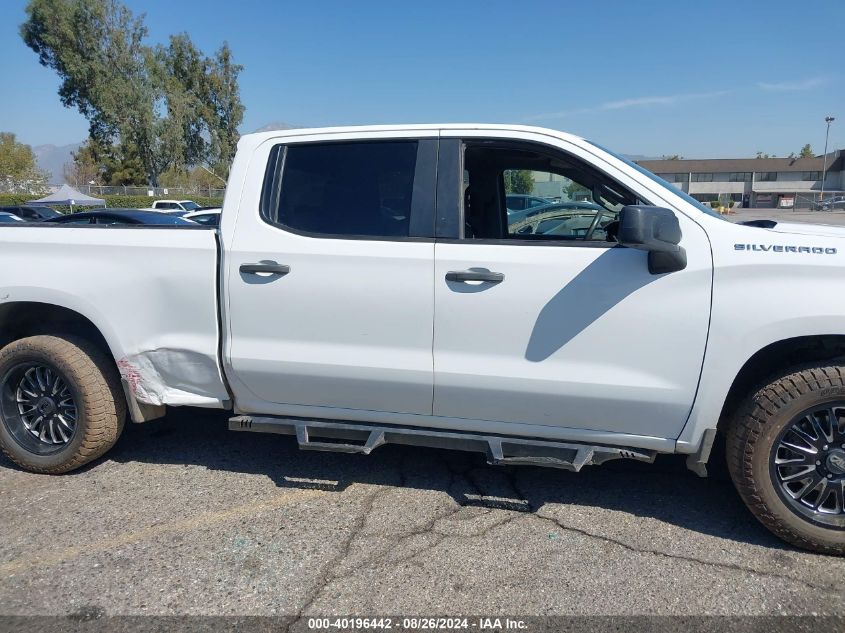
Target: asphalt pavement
(186,517)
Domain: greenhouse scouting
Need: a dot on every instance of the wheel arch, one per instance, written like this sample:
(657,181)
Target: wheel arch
(20,319)
(703,440)
(773,359)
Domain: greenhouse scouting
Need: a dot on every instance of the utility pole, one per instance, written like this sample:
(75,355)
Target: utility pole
(828,120)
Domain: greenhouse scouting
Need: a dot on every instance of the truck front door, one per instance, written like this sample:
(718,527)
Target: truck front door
(542,319)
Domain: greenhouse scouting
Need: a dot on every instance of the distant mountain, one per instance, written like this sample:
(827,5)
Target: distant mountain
(52,159)
(277,125)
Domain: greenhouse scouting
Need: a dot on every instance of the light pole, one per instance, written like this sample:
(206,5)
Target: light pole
(828,120)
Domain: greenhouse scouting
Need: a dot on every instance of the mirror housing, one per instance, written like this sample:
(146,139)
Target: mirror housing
(656,230)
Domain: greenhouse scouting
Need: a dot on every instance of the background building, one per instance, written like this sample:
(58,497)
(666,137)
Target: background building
(756,182)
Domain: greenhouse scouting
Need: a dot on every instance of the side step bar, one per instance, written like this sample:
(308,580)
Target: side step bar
(348,437)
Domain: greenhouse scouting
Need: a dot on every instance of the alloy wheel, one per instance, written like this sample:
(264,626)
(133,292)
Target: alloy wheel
(807,464)
(39,407)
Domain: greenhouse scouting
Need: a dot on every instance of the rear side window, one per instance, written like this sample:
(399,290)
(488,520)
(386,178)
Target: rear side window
(359,189)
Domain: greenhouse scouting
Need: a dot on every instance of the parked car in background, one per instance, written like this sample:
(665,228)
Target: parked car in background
(9,217)
(32,213)
(837,202)
(175,206)
(519,201)
(208,217)
(120,216)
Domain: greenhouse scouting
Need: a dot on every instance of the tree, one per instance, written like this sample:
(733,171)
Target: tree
(197,179)
(227,110)
(673,157)
(203,93)
(83,168)
(573,189)
(19,172)
(168,106)
(806,152)
(518,181)
(105,165)
(122,165)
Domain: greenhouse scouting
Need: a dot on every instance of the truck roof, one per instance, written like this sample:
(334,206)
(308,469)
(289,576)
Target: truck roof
(257,137)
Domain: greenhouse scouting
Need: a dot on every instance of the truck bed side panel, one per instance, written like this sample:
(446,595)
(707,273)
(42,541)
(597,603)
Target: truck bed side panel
(150,291)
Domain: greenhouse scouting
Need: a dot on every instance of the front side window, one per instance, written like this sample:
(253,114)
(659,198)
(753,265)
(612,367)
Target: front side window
(360,189)
(575,203)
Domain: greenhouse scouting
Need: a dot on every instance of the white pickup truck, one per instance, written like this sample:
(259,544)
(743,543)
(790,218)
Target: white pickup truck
(175,206)
(368,285)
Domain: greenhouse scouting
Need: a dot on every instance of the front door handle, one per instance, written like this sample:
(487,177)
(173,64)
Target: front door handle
(475,275)
(265,267)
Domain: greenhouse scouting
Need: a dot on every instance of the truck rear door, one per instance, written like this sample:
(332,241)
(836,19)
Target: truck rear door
(330,277)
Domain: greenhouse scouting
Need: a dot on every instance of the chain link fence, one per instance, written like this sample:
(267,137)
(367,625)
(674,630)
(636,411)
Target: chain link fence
(813,201)
(153,192)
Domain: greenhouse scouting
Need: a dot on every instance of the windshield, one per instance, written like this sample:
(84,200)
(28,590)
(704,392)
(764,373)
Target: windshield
(645,172)
(190,206)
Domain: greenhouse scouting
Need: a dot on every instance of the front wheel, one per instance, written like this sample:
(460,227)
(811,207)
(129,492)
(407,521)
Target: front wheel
(786,456)
(61,403)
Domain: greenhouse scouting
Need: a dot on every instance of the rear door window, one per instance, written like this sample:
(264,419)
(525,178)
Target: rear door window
(356,189)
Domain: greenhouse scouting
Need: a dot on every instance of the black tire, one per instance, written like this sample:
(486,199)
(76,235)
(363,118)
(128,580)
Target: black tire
(760,426)
(93,383)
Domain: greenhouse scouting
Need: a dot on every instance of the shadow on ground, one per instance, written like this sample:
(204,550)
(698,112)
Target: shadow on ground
(665,490)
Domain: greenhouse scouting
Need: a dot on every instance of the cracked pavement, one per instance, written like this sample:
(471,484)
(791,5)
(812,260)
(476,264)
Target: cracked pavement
(185,517)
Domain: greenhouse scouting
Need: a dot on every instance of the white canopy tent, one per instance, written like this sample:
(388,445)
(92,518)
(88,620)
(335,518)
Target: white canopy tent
(68,196)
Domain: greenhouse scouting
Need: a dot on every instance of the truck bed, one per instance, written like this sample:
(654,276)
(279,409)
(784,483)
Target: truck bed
(150,290)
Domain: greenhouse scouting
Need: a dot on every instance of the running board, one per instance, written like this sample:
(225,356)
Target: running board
(347,437)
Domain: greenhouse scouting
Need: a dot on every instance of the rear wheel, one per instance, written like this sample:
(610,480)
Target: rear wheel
(61,403)
(786,456)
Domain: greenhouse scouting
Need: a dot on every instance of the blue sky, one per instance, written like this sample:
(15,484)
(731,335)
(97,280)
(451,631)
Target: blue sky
(702,79)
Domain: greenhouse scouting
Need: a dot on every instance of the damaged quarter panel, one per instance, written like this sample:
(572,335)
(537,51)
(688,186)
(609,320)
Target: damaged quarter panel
(151,292)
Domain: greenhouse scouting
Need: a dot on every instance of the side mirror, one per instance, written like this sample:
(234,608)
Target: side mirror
(656,230)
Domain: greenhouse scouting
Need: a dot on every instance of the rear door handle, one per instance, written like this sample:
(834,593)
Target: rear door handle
(265,267)
(474,275)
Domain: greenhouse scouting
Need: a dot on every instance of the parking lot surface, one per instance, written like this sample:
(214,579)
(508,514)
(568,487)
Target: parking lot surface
(185,517)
